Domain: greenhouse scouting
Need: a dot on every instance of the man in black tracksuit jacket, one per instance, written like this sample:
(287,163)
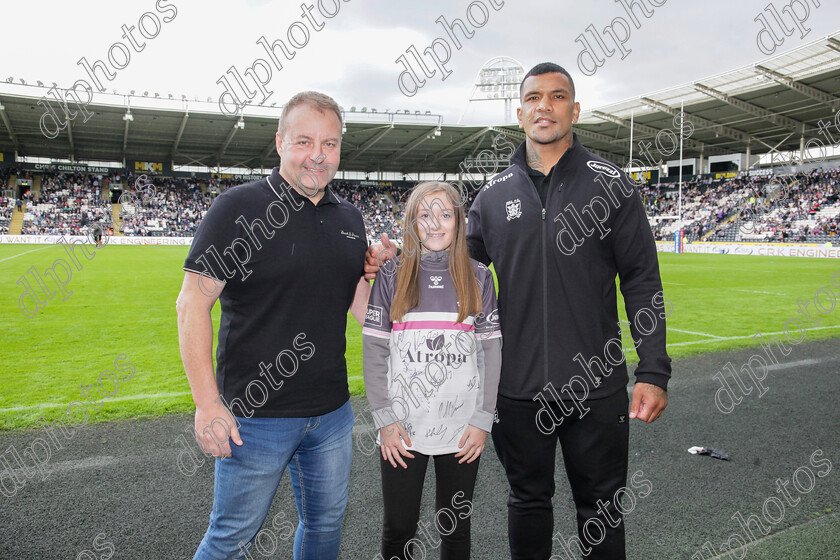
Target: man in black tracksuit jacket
(558,239)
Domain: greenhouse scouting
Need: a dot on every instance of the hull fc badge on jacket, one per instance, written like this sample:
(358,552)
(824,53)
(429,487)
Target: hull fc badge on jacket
(513,208)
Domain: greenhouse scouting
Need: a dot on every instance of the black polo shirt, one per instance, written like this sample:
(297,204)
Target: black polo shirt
(541,182)
(291,270)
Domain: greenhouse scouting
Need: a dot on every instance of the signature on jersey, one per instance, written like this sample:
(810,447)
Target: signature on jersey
(449,408)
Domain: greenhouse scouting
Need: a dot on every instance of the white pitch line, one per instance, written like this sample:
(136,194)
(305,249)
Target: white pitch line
(692,332)
(154,396)
(115,399)
(26,252)
(759,541)
(674,284)
(165,395)
(714,267)
(759,292)
(742,337)
(77,464)
(806,362)
(682,382)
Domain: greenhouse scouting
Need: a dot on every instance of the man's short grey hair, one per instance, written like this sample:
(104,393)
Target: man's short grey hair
(316,100)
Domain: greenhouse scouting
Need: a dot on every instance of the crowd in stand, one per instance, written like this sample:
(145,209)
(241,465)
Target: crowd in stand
(704,206)
(170,207)
(71,203)
(799,219)
(5,173)
(6,210)
(6,203)
(760,208)
(376,205)
(67,204)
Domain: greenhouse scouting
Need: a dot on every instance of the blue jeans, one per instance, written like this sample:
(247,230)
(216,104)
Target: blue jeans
(318,451)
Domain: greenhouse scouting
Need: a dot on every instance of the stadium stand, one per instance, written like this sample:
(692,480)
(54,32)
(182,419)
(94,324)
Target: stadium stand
(173,209)
(6,209)
(750,209)
(66,204)
(69,203)
(380,207)
(742,208)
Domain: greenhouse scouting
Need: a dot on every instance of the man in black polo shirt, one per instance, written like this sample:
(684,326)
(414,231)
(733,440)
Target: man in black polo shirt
(284,255)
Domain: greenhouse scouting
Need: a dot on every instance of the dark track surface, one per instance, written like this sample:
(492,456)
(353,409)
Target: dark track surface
(121,479)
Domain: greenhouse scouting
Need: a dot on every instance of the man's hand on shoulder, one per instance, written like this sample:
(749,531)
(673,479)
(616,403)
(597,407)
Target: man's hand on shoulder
(377,254)
(648,402)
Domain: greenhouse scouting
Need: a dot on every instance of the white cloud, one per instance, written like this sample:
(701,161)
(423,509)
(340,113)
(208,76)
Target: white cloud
(353,56)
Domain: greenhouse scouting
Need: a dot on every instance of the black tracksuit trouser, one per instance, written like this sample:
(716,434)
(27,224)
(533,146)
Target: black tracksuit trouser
(595,448)
(402,490)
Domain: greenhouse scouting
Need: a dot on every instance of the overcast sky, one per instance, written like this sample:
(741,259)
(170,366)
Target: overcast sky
(353,56)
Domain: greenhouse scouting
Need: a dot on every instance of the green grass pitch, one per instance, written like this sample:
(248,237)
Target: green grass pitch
(123,302)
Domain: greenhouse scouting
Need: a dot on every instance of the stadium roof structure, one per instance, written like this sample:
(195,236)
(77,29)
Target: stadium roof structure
(773,104)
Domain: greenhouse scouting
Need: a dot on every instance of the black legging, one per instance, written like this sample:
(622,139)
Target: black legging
(402,490)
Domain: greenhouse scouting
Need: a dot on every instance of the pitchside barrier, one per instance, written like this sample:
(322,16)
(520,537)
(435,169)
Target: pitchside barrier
(112,240)
(764,249)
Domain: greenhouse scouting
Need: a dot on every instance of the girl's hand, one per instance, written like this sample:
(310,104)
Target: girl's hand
(472,444)
(391,445)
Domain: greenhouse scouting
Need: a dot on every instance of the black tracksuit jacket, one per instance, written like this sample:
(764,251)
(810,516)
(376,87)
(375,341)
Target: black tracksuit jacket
(557,270)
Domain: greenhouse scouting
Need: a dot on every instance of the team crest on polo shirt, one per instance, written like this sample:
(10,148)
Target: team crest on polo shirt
(513,209)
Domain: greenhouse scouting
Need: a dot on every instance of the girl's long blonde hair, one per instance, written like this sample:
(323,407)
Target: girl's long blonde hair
(407,292)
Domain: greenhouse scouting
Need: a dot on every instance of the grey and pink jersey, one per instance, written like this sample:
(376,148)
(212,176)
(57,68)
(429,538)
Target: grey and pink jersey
(432,373)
